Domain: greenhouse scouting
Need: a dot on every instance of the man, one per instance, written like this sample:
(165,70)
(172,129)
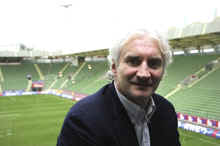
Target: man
(127,112)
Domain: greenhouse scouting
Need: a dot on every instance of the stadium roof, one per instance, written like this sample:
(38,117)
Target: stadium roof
(194,35)
(197,41)
(102,52)
(212,39)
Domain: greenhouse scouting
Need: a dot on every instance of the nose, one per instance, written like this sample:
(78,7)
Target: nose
(143,71)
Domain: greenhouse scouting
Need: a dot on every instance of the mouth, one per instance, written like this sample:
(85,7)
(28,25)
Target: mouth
(142,84)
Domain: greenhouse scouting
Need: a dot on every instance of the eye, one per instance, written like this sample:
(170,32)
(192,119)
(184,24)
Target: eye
(155,63)
(133,60)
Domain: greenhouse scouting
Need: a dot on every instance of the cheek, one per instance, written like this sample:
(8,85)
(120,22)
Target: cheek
(129,72)
(157,74)
(126,70)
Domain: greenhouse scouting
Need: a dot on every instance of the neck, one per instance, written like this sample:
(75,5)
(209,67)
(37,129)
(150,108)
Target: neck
(143,102)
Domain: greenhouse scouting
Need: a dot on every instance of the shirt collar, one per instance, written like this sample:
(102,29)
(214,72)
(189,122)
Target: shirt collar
(136,113)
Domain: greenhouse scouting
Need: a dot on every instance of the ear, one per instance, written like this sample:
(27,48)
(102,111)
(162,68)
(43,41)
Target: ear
(114,68)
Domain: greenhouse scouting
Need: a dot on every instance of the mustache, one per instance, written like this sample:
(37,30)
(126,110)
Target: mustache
(142,82)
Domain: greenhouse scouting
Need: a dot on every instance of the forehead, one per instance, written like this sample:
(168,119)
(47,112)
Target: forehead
(141,46)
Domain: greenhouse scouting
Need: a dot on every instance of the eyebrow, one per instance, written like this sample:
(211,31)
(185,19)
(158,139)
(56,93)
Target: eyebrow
(137,56)
(156,57)
(132,56)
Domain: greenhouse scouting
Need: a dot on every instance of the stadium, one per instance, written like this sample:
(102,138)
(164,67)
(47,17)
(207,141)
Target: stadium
(37,89)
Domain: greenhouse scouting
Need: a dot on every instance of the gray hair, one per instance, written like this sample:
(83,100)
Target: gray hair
(114,52)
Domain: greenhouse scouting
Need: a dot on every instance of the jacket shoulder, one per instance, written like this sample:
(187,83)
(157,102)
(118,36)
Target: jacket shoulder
(162,102)
(89,119)
(91,103)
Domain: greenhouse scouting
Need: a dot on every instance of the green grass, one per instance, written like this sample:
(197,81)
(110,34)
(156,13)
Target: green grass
(31,120)
(36,120)
(188,138)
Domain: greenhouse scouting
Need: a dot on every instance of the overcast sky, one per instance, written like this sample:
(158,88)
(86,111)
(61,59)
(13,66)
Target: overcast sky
(92,24)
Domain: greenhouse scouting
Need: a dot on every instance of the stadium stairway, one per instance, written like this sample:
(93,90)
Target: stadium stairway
(39,72)
(29,85)
(61,71)
(1,75)
(64,68)
(179,86)
(1,79)
(74,75)
(52,84)
(204,76)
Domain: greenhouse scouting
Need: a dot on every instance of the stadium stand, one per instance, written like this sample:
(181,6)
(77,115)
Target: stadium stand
(39,72)
(70,75)
(15,76)
(63,76)
(94,74)
(50,72)
(201,99)
(182,67)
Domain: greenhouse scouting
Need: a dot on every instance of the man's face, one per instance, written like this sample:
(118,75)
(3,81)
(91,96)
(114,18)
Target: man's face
(139,70)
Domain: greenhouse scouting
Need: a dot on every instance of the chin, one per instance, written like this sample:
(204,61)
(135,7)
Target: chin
(139,99)
(144,91)
(142,94)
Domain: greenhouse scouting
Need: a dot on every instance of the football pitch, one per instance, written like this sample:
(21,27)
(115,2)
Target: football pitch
(35,120)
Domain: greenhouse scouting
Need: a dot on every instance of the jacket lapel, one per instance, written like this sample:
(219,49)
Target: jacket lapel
(125,132)
(124,129)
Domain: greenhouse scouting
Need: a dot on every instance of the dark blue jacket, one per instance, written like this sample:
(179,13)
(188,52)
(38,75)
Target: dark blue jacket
(101,120)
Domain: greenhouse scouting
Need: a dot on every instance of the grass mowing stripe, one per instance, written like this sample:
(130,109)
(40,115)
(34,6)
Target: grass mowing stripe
(9,115)
(35,109)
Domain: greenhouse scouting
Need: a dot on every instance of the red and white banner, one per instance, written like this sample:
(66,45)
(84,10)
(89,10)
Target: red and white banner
(199,120)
